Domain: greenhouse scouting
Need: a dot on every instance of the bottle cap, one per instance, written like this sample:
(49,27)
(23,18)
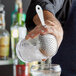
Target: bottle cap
(20,10)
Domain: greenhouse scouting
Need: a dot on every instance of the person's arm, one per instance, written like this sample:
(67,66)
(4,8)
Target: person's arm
(53,25)
(52,6)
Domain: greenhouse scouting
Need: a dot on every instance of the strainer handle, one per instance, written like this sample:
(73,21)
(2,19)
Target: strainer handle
(39,11)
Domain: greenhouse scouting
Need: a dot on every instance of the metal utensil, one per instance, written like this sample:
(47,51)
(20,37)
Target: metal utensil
(48,42)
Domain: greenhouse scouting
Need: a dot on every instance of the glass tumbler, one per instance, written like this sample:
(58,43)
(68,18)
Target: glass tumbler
(46,70)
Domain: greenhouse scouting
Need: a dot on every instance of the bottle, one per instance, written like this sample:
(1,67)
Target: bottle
(4,36)
(14,38)
(18,32)
(21,17)
(13,15)
(20,68)
(18,29)
(14,30)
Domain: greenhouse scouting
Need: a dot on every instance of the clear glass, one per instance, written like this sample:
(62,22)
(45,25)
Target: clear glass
(46,70)
(4,36)
(28,50)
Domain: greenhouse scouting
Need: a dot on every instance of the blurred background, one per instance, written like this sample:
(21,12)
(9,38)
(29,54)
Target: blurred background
(10,6)
(6,68)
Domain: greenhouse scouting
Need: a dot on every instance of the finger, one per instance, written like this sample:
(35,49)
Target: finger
(43,30)
(35,35)
(53,31)
(34,32)
(53,24)
(29,35)
(49,23)
(48,29)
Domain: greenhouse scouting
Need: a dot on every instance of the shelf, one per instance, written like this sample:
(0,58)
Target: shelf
(6,62)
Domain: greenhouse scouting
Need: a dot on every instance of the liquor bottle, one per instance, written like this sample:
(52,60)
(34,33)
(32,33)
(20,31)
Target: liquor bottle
(18,29)
(18,32)
(21,17)
(4,36)
(14,30)
(21,23)
(14,38)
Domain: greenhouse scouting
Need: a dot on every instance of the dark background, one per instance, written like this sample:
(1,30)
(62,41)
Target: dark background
(9,7)
(7,70)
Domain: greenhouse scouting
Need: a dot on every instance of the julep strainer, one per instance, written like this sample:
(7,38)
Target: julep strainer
(48,43)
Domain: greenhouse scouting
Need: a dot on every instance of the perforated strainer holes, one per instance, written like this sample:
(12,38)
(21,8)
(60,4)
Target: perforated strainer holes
(49,44)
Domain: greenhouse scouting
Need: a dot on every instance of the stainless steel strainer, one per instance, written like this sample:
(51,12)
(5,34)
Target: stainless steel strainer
(48,42)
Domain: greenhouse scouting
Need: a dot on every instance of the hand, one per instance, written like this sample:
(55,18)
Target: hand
(53,27)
